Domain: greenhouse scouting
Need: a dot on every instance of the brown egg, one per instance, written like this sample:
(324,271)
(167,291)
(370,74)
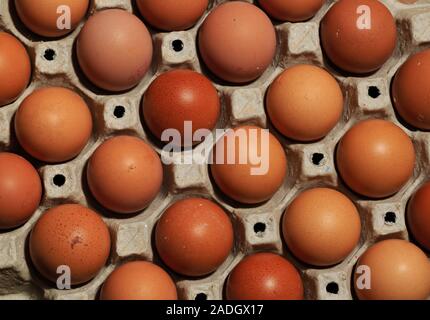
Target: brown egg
(321,227)
(73,236)
(125,174)
(264,276)
(139,280)
(376,158)
(20,190)
(178,96)
(114,50)
(194,237)
(397,269)
(411,87)
(291,10)
(300,95)
(15,68)
(249,164)
(244,32)
(51,18)
(418,215)
(358,36)
(172,15)
(53,124)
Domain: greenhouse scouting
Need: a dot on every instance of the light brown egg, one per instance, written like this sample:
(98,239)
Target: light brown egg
(376,158)
(358,36)
(15,68)
(237,42)
(300,95)
(139,280)
(411,87)
(114,50)
(20,190)
(418,215)
(194,237)
(72,236)
(321,227)
(264,276)
(172,15)
(53,124)
(291,10)
(49,18)
(125,174)
(397,269)
(250,164)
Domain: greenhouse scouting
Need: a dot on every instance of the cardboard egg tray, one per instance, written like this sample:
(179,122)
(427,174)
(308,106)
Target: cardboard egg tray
(257,228)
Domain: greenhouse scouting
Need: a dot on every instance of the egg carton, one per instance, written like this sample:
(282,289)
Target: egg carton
(257,227)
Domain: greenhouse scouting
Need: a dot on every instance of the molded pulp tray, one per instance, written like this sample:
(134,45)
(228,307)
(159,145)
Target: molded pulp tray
(257,228)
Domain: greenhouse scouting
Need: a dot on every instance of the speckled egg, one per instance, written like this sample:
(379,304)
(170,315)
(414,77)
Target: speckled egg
(180,96)
(72,236)
(264,276)
(194,237)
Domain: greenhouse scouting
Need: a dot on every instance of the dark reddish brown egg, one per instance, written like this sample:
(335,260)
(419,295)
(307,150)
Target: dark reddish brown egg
(20,190)
(70,236)
(418,215)
(358,36)
(264,276)
(194,237)
(179,96)
(411,87)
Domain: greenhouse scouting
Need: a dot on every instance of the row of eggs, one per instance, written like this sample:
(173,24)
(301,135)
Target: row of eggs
(115,48)
(195,236)
(375,158)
